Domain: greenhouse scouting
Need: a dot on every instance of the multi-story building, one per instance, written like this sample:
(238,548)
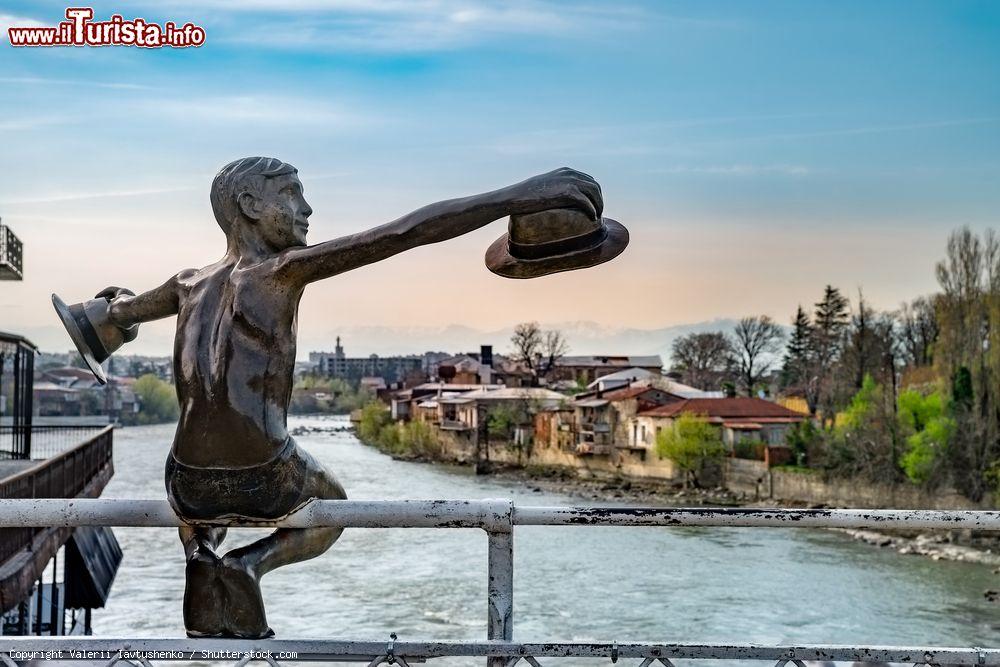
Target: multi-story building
(392,369)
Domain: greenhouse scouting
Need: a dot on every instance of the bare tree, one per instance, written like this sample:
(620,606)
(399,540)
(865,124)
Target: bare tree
(554,347)
(527,343)
(918,331)
(537,349)
(703,360)
(869,346)
(756,342)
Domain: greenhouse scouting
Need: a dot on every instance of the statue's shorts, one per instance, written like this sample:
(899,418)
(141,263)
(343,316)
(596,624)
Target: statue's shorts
(266,491)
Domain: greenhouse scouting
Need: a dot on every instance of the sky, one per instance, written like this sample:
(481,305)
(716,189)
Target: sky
(756,151)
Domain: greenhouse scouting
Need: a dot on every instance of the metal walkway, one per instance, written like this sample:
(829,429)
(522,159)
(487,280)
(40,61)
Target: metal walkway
(498,518)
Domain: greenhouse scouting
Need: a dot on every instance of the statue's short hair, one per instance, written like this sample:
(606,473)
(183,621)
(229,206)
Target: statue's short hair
(237,177)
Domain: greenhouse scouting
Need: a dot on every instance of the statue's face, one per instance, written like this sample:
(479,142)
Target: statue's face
(283,212)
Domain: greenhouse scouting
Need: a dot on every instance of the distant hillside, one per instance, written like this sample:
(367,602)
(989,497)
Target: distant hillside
(584,338)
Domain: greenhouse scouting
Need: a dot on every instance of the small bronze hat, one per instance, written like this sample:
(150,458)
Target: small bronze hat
(561,239)
(91,330)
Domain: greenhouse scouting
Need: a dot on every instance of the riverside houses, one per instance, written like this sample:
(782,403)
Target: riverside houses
(738,419)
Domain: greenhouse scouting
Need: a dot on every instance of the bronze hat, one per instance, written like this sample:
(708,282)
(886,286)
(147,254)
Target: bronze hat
(91,330)
(562,239)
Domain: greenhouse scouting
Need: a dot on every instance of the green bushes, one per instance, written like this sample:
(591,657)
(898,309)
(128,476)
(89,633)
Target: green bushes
(691,443)
(930,428)
(405,440)
(316,394)
(157,400)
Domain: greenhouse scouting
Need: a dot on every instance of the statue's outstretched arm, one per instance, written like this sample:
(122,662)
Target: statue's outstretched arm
(562,188)
(126,309)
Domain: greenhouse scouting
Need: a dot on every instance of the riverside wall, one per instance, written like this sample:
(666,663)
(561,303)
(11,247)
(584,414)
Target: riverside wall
(460,447)
(753,480)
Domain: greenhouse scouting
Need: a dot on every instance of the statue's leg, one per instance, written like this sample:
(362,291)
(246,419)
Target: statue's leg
(202,589)
(242,568)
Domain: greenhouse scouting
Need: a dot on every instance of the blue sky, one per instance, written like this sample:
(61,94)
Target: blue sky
(756,150)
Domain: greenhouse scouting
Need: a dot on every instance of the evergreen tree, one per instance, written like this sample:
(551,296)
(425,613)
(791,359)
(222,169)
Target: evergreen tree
(795,369)
(826,343)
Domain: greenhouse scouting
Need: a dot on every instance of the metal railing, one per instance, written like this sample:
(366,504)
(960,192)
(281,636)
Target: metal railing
(498,518)
(65,475)
(46,440)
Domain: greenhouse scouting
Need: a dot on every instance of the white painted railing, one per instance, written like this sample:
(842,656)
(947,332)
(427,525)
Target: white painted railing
(498,518)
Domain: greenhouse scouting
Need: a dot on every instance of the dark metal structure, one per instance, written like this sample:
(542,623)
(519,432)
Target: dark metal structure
(81,471)
(17,373)
(11,255)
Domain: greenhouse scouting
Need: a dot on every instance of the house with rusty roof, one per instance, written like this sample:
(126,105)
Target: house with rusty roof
(586,369)
(738,419)
(602,418)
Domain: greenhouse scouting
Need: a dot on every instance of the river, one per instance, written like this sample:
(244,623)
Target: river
(571,583)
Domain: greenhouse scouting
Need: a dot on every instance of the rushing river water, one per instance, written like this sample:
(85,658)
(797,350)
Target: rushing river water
(571,583)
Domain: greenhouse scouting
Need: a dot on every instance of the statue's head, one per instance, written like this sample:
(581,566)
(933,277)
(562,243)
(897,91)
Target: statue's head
(263,194)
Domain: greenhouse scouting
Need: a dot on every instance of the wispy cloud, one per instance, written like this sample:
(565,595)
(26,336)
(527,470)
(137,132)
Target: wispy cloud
(31,122)
(10,20)
(77,196)
(739,170)
(418,26)
(253,109)
(42,81)
(874,129)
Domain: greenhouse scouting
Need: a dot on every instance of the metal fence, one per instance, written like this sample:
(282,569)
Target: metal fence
(17,354)
(45,440)
(498,518)
(62,476)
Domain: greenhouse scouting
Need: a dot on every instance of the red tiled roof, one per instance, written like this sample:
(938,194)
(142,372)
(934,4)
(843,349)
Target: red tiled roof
(750,409)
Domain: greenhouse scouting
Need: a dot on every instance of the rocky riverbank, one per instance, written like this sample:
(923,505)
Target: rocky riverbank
(620,490)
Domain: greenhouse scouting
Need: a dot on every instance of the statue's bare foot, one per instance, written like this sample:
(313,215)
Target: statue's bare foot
(203,595)
(243,609)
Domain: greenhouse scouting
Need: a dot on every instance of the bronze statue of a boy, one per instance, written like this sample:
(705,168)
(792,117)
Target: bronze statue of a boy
(234,354)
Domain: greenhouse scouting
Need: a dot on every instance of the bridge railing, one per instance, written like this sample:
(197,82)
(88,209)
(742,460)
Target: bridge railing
(498,518)
(64,475)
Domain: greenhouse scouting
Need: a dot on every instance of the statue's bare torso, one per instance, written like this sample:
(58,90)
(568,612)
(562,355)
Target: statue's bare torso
(234,355)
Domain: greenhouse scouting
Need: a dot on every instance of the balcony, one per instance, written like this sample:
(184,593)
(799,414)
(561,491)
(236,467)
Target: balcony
(11,255)
(592,449)
(595,427)
(453,425)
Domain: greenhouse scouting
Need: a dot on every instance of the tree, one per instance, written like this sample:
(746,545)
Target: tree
(157,400)
(798,358)
(928,431)
(756,340)
(968,351)
(865,440)
(537,349)
(703,360)
(830,319)
(869,346)
(690,442)
(918,331)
